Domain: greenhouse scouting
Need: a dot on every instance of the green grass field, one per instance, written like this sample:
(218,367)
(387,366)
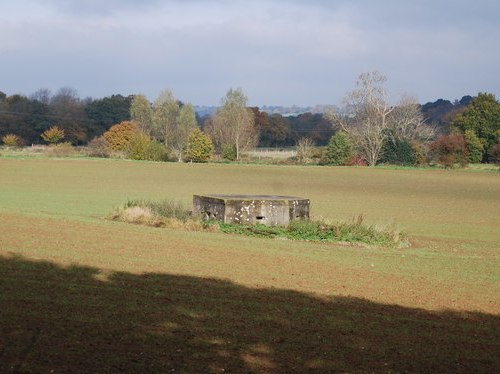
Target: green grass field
(80,293)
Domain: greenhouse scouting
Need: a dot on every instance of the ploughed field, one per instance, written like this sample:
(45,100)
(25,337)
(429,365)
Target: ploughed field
(81,293)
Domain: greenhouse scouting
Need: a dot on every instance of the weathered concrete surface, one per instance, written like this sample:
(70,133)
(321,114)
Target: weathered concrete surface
(251,209)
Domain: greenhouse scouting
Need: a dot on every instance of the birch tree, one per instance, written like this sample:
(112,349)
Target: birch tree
(185,125)
(141,113)
(233,124)
(165,112)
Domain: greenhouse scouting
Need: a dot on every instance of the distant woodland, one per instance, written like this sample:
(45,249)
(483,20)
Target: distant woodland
(84,119)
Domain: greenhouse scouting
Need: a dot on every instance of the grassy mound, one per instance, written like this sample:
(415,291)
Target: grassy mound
(173,214)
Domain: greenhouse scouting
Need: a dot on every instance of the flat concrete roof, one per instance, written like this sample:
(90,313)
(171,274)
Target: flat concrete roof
(252,197)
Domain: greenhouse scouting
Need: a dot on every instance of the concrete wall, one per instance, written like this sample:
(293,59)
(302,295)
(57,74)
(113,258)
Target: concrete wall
(209,207)
(251,210)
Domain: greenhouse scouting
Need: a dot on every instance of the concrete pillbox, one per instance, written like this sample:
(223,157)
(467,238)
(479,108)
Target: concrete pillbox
(251,209)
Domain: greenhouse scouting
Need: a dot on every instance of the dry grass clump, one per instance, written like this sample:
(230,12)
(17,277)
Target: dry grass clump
(61,150)
(268,153)
(138,215)
(165,213)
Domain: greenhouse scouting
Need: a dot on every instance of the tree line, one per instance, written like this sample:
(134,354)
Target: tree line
(365,129)
(83,119)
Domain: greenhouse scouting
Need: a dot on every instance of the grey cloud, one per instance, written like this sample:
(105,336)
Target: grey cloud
(279,52)
(100,7)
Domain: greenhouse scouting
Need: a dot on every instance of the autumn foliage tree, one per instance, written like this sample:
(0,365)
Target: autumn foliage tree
(53,135)
(12,140)
(449,150)
(119,136)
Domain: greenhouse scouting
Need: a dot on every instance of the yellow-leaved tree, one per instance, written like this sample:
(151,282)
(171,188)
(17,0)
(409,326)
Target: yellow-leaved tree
(53,135)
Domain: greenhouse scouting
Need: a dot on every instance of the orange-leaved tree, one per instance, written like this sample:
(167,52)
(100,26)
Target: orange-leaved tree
(120,135)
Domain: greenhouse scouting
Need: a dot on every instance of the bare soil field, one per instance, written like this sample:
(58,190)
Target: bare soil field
(80,293)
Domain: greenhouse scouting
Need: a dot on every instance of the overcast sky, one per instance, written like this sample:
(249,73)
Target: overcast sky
(279,52)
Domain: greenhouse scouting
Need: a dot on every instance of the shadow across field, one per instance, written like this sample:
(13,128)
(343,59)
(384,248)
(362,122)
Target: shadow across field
(76,319)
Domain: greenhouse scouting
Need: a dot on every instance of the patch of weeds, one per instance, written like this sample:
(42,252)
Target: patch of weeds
(259,230)
(355,231)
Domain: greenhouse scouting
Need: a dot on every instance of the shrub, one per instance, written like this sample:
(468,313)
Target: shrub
(12,140)
(494,154)
(304,150)
(98,147)
(317,154)
(53,135)
(357,160)
(143,147)
(449,150)
(199,148)
(339,149)
(61,150)
(398,152)
(421,151)
(120,135)
(474,146)
(229,152)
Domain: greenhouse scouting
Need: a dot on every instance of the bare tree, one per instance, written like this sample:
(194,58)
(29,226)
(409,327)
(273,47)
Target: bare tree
(304,150)
(368,118)
(233,124)
(69,112)
(365,115)
(407,121)
(42,95)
